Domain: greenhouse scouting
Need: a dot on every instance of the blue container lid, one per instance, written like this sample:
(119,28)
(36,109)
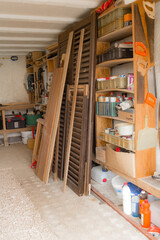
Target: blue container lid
(134,189)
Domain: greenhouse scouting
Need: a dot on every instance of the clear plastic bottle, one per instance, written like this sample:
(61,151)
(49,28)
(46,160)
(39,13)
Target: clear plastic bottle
(126,199)
(135,205)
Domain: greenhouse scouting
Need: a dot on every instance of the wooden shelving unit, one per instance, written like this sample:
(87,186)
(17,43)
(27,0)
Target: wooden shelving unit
(115,118)
(115,90)
(113,63)
(116,35)
(145,163)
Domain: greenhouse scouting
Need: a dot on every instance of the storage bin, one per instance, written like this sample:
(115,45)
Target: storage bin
(124,53)
(127,115)
(106,109)
(119,23)
(100,108)
(30,143)
(105,84)
(115,140)
(121,82)
(128,144)
(107,137)
(120,161)
(101,154)
(111,83)
(13,122)
(31,120)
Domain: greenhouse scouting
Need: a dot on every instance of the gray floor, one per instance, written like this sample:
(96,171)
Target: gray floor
(67,215)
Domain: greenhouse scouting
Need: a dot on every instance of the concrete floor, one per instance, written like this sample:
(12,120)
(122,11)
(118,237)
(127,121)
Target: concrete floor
(66,215)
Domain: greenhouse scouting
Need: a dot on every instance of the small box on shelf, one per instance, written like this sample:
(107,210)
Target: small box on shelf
(123,162)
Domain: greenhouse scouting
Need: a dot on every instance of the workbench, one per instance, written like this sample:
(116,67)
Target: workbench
(15,106)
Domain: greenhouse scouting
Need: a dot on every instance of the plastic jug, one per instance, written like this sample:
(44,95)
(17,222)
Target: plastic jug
(126,199)
(135,205)
(142,197)
(145,214)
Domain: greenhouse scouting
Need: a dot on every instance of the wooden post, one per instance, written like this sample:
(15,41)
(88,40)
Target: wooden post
(4,128)
(68,148)
(56,154)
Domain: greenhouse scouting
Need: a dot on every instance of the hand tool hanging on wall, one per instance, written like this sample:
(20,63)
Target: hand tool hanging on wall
(68,147)
(141,54)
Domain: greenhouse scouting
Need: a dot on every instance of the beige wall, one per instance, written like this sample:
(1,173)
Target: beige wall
(12,76)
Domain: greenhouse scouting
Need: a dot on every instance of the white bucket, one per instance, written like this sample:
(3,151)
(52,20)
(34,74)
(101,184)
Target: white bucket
(25,135)
(24,140)
(117,184)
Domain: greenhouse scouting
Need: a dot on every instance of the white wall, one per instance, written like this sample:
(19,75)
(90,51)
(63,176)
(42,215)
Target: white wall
(157,68)
(12,76)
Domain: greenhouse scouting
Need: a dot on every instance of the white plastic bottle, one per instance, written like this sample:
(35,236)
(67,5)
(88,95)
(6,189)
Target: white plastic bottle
(126,199)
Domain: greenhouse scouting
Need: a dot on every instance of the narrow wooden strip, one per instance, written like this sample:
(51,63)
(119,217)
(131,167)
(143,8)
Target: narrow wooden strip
(56,154)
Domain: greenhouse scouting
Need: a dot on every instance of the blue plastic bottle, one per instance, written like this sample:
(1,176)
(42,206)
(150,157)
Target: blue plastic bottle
(135,205)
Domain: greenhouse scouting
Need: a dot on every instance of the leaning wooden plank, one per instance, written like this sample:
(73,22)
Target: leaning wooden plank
(56,154)
(68,147)
(53,110)
(49,123)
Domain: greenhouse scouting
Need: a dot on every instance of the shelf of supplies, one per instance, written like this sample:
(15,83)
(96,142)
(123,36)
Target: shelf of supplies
(112,8)
(102,139)
(116,35)
(17,130)
(114,62)
(115,118)
(115,90)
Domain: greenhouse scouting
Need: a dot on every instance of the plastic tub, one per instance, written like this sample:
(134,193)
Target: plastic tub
(125,129)
(26,134)
(117,184)
(24,140)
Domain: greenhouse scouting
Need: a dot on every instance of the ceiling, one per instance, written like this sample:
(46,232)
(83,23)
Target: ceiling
(32,25)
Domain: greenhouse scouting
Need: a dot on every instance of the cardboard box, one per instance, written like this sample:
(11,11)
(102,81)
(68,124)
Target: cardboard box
(120,161)
(127,115)
(101,154)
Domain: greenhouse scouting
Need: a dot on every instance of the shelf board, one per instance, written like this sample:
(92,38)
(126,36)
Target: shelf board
(116,35)
(130,179)
(17,106)
(115,118)
(17,130)
(114,62)
(150,185)
(115,89)
(100,138)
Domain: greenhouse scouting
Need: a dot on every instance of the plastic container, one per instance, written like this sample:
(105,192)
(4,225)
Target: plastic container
(13,122)
(126,199)
(107,109)
(31,120)
(121,82)
(135,205)
(145,214)
(124,52)
(125,129)
(112,107)
(142,197)
(30,143)
(99,174)
(26,134)
(117,184)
